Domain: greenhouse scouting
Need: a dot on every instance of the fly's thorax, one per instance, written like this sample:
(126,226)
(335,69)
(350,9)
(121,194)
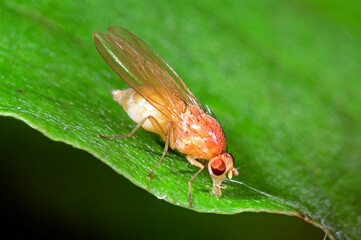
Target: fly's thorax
(138,108)
(198,134)
(218,167)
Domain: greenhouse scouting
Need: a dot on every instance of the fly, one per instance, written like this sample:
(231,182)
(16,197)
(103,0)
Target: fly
(159,101)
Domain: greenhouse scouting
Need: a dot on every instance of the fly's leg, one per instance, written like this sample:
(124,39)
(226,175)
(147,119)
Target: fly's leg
(165,149)
(194,162)
(139,125)
(155,124)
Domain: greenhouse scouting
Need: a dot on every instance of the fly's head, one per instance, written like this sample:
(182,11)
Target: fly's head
(218,168)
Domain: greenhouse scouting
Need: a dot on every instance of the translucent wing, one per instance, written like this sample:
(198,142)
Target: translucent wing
(144,70)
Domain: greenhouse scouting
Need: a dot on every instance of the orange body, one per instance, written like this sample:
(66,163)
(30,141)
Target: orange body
(198,134)
(194,133)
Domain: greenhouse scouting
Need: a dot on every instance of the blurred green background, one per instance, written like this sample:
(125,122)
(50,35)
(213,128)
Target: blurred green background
(53,190)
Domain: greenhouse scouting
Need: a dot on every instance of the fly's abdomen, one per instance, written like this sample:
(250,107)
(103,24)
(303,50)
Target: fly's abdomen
(138,108)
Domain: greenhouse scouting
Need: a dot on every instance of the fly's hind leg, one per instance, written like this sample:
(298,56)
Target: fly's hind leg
(156,125)
(139,125)
(166,146)
(194,162)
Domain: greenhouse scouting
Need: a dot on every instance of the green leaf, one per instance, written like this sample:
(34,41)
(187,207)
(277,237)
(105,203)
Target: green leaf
(283,79)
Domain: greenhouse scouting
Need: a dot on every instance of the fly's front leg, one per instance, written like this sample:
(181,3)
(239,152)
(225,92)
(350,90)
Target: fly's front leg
(194,162)
(139,125)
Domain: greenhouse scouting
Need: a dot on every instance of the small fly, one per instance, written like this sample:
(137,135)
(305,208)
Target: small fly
(159,101)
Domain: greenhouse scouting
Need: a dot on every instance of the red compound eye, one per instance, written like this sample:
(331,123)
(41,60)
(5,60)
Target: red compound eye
(218,166)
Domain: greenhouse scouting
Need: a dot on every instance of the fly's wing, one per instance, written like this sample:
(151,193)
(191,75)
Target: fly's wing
(144,70)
